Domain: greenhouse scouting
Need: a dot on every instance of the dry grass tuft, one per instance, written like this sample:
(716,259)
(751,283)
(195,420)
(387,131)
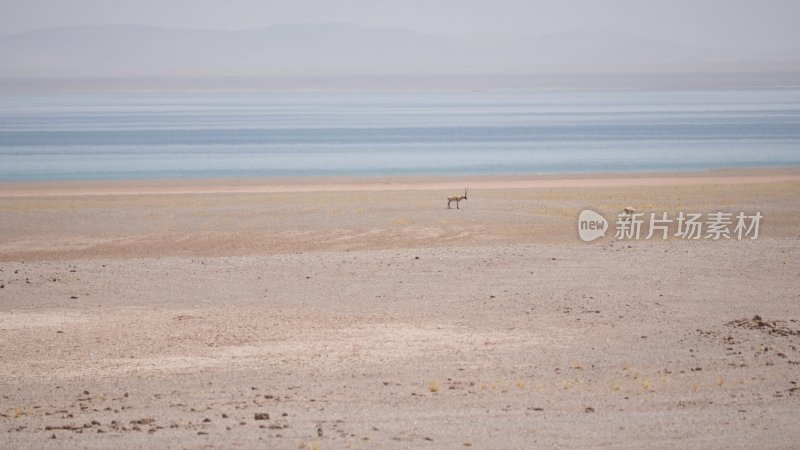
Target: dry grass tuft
(20,411)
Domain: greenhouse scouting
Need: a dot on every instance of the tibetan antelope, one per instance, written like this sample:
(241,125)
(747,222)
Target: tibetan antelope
(628,212)
(456,198)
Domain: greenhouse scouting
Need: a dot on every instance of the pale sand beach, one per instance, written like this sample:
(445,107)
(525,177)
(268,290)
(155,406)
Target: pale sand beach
(362,313)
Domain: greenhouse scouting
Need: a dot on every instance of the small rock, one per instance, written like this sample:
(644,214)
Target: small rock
(224,416)
(73,297)
(589,409)
(206,420)
(262,416)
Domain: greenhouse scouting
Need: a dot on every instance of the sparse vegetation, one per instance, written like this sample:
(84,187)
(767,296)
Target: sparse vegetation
(20,411)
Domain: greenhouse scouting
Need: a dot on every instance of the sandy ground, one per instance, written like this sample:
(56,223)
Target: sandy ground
(363,314)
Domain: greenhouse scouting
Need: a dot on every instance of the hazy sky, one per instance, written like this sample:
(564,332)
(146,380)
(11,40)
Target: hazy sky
(743,24)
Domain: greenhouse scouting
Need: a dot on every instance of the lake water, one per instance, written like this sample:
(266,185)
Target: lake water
(307,133)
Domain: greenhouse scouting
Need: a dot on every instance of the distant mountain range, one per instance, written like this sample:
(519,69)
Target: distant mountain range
(136,50)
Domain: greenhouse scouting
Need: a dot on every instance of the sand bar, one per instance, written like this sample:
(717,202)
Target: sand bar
(350,184)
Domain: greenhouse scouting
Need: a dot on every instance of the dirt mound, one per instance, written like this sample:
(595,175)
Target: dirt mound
(776,327)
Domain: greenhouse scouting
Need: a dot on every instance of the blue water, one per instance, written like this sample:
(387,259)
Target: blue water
(231,134)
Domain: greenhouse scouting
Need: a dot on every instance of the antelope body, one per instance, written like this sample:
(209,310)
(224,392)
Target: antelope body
(457,199)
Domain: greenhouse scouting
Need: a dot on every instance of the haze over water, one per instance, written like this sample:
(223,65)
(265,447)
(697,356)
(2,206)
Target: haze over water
(371,133)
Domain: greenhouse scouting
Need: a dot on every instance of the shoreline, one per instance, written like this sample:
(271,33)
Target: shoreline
(129,219)
(162,186)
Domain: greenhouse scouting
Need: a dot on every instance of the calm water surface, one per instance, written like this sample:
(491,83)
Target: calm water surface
(229,134)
